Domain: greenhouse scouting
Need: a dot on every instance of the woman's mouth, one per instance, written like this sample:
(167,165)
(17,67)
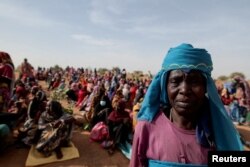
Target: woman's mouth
(183,104)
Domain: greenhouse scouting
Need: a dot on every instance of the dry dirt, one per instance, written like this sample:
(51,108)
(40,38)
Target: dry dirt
(91,155)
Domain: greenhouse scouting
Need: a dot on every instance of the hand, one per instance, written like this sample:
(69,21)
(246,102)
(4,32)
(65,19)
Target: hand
(102,111)
(57,123)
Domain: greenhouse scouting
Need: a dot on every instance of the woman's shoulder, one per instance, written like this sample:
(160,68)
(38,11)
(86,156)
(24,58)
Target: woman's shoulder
(160,121)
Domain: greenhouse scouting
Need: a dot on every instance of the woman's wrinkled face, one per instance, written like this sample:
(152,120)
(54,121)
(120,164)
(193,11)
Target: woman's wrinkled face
(186,91)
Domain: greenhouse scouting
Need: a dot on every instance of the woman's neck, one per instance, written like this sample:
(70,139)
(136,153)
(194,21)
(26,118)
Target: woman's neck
(187,123)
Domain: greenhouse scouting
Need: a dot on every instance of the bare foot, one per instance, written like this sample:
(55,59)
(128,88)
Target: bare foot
(59,154)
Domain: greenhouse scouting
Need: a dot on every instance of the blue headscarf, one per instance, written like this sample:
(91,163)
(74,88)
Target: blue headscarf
(185,56)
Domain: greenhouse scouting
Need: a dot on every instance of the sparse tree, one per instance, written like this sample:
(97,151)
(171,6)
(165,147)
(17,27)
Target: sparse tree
(102,71)
(116,69)
(234,74)
(57,68)
(137,74)
(222,78)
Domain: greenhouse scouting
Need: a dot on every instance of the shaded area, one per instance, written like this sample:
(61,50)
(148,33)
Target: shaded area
(91,154)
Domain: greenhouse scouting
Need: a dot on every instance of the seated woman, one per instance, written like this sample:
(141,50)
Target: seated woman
(101,111)
(72,92)
(28,132)
(7,79)
(119,125)
(82,93)
(56,128)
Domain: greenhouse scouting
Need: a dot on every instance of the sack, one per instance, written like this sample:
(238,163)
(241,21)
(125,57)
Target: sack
(99,132)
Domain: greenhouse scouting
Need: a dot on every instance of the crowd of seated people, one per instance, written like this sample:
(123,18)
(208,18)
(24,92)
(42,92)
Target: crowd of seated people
(235,96)
(112,98)
(29,112)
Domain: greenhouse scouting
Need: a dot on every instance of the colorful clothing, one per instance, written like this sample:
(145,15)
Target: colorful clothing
(52,137)
(30,128)
(178,146)
(7,79)
(101,111)
(185,57)
(119,123)
(82,93)
(26,70)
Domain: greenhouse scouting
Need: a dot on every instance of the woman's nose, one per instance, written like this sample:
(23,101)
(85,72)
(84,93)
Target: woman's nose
(185,88)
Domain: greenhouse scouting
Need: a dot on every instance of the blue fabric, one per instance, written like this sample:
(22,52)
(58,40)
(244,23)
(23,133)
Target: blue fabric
(230,87)
(226,136)
(154,163)
(204,134)
(4,130)
(186,57)
(126,149)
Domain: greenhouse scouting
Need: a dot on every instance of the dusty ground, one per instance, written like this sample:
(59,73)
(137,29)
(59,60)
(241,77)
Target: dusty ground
(91,155)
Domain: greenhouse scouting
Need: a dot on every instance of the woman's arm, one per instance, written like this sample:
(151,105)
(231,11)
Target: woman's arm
(138,158)
(41,122)
(66,118)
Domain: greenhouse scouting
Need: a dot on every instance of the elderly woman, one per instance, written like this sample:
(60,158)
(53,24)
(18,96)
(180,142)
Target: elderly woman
(55,127)
(180,115)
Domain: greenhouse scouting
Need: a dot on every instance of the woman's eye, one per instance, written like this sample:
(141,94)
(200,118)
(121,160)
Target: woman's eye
(174,82)
(196,81)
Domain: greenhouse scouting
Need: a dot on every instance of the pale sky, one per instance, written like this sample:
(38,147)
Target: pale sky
(131,34)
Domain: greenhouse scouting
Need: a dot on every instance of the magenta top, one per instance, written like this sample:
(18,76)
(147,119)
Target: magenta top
(164,141)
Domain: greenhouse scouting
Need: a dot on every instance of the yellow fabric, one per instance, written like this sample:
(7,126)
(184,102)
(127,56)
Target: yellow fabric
(136,109)
(35,158)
